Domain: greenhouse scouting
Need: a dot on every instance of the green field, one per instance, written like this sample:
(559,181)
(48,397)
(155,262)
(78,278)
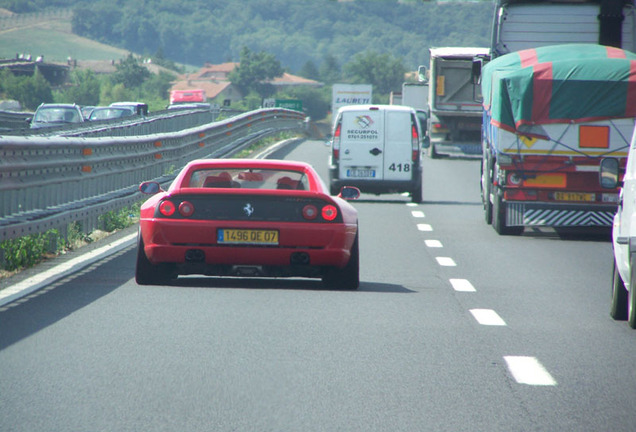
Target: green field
(51,37)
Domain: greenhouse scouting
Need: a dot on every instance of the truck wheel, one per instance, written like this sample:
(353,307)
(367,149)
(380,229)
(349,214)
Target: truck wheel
(618,309)
(499,218)
(432,153)
(631,296)
(485,190)
(147,273)
(347,278)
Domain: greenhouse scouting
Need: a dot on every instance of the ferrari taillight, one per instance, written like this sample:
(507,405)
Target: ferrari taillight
(335,146)
(329,212)
(186,209)
(167,208)
(310,212)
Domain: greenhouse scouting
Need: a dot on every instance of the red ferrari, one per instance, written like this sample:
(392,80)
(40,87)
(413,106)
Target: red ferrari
(249,218)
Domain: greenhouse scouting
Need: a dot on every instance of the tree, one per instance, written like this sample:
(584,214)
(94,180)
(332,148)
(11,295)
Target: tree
(254,70)
(329,70)
(383,71)
(130,73)
(30,91)
(84,90)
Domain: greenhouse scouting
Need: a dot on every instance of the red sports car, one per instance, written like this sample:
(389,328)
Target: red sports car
(248,217)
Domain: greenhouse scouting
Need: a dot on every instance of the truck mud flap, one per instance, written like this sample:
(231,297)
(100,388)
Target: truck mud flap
(523,214)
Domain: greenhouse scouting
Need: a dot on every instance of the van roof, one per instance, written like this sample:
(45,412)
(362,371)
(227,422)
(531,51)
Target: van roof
(375,107)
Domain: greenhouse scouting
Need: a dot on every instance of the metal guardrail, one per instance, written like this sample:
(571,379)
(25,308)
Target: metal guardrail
(47,182)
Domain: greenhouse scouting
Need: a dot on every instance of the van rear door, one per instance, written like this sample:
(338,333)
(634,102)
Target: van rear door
(362,145)
(398,145)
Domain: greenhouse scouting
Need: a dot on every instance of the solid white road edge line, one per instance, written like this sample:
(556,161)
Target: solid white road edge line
(528,370)
(49,276)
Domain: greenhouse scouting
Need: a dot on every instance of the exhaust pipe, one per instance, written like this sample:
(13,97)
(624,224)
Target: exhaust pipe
(299,258)
(194,255)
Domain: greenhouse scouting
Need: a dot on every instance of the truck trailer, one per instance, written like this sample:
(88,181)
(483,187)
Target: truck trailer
(551,116)
(454,111)
(542,170)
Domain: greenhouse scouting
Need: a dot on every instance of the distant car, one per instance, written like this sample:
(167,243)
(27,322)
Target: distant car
(248,218)
(86,111)
(190,105)
(49,115)
(106,113)
(139,107)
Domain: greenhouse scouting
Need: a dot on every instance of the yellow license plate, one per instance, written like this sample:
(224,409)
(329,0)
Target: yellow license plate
(247,236)
(575,196)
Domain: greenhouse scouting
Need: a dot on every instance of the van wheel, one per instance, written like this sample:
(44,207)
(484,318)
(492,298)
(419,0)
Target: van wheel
(347,278)
(631,296)
(416,195)
(618,309)
(499,218)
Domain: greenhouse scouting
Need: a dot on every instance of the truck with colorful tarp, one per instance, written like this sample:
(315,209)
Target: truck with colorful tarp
(551,115)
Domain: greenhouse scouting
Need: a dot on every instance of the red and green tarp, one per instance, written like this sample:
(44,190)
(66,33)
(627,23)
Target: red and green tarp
(559,84)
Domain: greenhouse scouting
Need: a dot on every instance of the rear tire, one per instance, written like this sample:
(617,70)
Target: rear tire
(499,218)
(618,309)
(486,186)
(631,296)
(416,195)
(147,273)
(347,278)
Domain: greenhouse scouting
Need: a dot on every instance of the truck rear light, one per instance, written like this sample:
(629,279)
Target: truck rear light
(438,127)
(520,195)
(335,145)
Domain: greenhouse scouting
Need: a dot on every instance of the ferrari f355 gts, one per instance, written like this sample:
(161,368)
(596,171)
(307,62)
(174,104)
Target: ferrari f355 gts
(248,218)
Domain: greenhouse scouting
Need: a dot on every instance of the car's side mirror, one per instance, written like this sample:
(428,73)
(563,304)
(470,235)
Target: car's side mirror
(608,173)
(349,193)
(150,188)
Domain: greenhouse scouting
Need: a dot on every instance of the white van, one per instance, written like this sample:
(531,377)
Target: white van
(623,301)
(377,148)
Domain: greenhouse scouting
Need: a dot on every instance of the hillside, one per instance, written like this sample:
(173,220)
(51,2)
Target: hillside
(49,34)
(297,32)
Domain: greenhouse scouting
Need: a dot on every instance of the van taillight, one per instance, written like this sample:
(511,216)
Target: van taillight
(415,143)
(335,146)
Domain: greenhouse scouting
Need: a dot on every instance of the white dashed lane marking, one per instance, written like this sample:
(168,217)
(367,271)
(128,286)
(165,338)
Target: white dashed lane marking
(433,243)
(525,370)
(487,317)
(528,370)
(462,285)
(445,261)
